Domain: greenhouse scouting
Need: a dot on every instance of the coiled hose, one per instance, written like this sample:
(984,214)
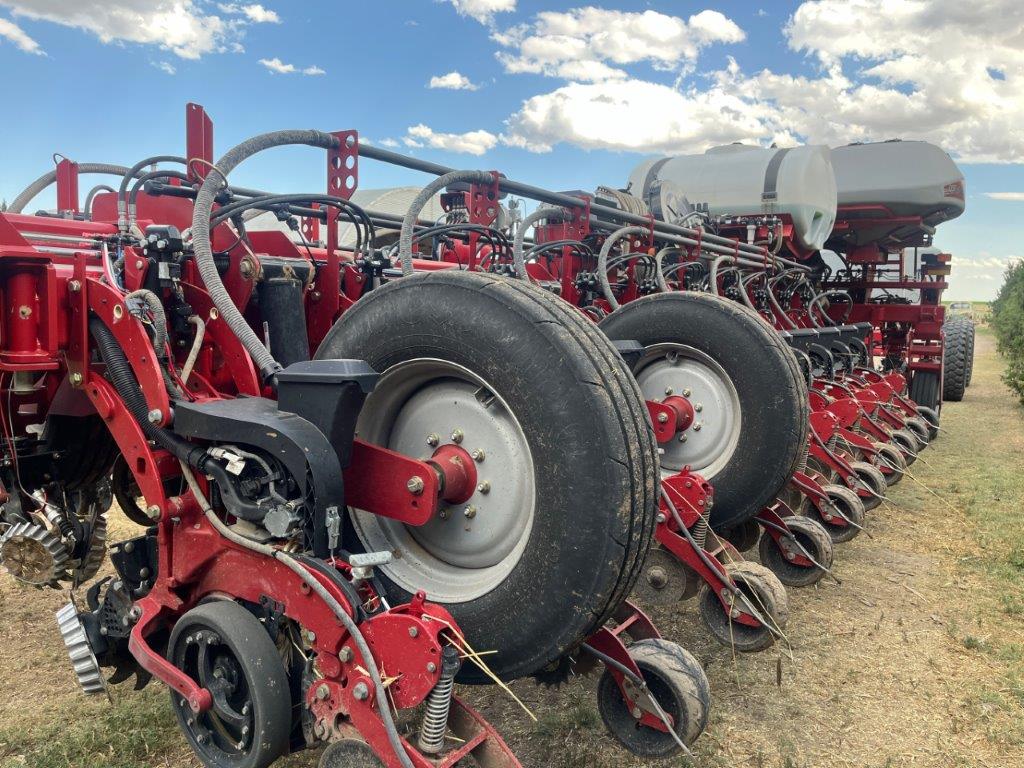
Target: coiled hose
(203,247)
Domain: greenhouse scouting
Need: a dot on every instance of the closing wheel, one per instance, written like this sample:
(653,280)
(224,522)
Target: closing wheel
(872,485)
(676,681)
(932,417)
(748,395)
(226,650)
(843,507)
(920,428)
(907,444)
(506,372)
(813,540)
(765,594)
(743,536)
(349,753)
(890,463)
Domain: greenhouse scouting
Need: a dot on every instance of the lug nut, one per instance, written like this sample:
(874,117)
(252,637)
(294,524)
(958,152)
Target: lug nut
(433,440)
(686,393)
(457,436)
(470,512)
(415,485)
(698,407)
(484,487)
(478,455)
(668,391)
(443,514)
(697,426)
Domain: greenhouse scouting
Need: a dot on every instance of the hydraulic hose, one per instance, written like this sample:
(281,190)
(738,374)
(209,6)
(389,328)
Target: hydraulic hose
(26,196)
(380,692)
(412,215)
(123,378)
(156,308)
(602,260)
(87,208)
(526,223)
(203,247)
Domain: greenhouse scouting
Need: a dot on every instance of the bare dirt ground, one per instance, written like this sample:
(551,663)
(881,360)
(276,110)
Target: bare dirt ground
(916,659)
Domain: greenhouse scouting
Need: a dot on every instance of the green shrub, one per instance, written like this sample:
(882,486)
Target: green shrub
(1008,323)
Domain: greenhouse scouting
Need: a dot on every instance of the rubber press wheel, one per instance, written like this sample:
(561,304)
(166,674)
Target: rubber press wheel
(763,591)
(226,650)
(676,681)
(813,539)
(744,384)
(564,511)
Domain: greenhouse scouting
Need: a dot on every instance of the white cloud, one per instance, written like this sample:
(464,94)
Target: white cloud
(471,142)
(483,10)
(182,27)
(279,67)
(255,13)
(454,81)
(1016,197)
(16,35)
(585,43)
(389,143)
(164,66)
(617,115)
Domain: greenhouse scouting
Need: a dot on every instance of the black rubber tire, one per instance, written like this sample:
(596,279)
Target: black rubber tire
(744,536)
(852,508)
(924,389)
(958,331)
(871,476)
(970,355)
(932,417)
(349,753)
(813,537)
(593,449)
(679,685)
(265,677)
(920,427)
(771,389)
(766,594)
(896,465)
(907,444)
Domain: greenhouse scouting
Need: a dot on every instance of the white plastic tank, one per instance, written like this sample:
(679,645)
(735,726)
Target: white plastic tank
(744,180)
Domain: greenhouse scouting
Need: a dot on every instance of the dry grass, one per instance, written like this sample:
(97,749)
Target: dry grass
(915,660)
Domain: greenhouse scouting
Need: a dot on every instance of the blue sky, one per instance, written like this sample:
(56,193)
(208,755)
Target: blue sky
(565,95)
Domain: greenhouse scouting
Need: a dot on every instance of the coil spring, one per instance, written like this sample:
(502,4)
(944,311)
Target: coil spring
(802,463)
(700,530)
(439,703)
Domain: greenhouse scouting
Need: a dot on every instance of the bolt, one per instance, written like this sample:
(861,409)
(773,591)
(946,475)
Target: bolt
(433,440)
(478,455)
(413,631)
(431,667)
(74,286)
(76,379)
(790,555)
(682,438)
(415,485)
(698,407)
(443,514)
(246,708)
(144,572)
(661,517)
(637,712)
(217,673)
(697,426)
(153,510)
(103,630)
(323,693)
(657,578)
(155,416)
(361,692)
(662,418)
(245,730)
(202,738)
(129,546)
(346,654)
(668,391)
(484,487)
(139,263)
(686,393)
(470,512)
(457,436)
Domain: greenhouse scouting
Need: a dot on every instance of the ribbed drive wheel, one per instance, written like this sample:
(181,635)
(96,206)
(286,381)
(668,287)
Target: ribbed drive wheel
(676,681)
(765,594)
(555,533)
(226,650)
(745,387)
(812,539)
(843,507)
(925,390)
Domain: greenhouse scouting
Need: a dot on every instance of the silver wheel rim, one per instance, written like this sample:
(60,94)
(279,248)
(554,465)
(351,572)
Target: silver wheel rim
(468,549)
(675,369)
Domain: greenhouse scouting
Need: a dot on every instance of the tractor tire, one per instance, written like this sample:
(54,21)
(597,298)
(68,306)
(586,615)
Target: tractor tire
(747,378)
(959,345)
(568,490)
(970,355)
(924,390)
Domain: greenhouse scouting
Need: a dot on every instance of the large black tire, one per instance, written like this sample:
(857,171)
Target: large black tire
(959,347)
(970,355)
(924,390)
(594,460)
(771,391)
